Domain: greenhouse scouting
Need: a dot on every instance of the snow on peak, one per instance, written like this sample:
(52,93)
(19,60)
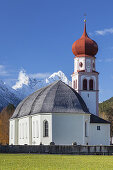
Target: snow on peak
(58,76)
(23,79)
(26,84)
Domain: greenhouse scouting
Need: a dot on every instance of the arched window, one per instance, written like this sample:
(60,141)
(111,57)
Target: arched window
(75,84)
(84,84)
(37,129)
(45,128)
(11,131)
(91,84)
(86,129)
(26,129)
(23,130)
(33,129)
(20,130)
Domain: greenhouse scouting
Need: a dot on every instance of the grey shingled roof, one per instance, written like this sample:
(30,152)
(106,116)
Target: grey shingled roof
(55,98)
(96,119)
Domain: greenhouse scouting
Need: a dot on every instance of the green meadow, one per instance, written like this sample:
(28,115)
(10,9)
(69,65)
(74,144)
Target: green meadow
(54,162)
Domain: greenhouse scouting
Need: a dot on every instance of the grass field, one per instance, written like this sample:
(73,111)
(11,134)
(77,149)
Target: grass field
(54,162)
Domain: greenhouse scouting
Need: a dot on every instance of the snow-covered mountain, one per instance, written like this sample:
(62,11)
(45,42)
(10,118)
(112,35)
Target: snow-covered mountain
(8,95)
(26,84)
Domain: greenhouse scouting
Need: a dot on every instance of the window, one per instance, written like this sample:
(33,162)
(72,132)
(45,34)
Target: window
(84,84)
(98,127)
(91,84)
(33,129)
(75,84)
(26,129)
(11,131)
(23,130)
(20,130)
(45,128)
(37,128)
(86,129)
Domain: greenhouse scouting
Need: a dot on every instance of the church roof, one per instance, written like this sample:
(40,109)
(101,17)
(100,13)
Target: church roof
(54,98)
(96,119)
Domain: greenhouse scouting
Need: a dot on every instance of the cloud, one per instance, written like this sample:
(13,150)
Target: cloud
(3,71)
(105,31)
(40,75)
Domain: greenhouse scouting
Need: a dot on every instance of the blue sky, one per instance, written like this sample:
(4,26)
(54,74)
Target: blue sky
(37,35)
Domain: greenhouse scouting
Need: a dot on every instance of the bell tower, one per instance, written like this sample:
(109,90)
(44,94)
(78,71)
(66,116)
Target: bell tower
(85,76)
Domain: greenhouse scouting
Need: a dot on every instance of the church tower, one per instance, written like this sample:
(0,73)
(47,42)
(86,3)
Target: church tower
(85,76)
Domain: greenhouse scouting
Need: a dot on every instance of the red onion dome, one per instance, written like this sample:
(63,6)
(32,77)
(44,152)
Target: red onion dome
(84,46)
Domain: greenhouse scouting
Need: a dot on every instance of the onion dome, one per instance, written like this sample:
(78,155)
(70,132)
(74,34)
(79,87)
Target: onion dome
(54,98)
(84,46)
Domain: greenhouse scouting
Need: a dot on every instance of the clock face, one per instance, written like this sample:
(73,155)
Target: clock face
(80,64)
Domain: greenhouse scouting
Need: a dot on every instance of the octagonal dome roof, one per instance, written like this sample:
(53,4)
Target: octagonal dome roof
(54,98)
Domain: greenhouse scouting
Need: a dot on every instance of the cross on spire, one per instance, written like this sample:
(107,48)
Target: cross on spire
(85,17)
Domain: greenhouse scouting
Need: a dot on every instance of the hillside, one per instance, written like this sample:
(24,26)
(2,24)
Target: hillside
(106,111)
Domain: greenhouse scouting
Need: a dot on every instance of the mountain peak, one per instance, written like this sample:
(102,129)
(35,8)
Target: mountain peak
(26,84)
(23,79)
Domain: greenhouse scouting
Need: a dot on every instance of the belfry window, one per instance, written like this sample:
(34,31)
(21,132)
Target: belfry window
(75,84)
(91,84)
(45,128)
(84,84)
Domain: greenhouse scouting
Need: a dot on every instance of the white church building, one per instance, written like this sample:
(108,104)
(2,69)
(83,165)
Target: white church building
(62,114)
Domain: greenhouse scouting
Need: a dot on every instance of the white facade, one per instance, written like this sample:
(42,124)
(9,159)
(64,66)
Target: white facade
(29,130)
(99,137)
(63,129)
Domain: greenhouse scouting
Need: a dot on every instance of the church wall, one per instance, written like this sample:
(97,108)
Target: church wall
(68,128)
(99,137)
(23,131)
(75,78)
(86,129)
(90,99)
(13,134)
(77,67)
(36,129)
(46,140)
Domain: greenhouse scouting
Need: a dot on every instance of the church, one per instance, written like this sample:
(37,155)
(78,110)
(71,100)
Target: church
(61,114)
